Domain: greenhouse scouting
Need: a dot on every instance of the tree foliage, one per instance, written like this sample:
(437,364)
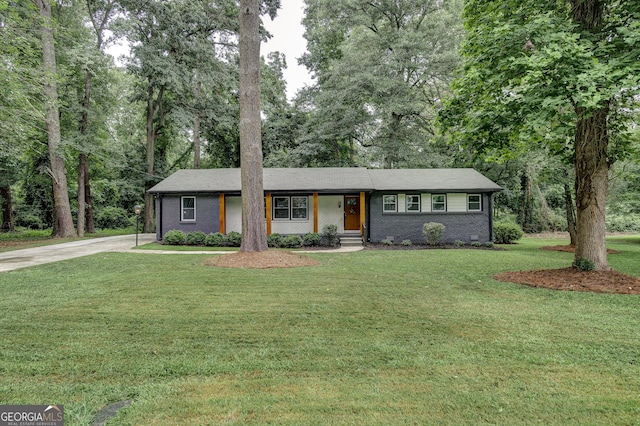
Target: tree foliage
(563,74)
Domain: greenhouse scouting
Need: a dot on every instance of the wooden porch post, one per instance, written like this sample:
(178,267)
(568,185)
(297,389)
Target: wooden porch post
(222,215)
(315,212)
(362,212)
(268,211)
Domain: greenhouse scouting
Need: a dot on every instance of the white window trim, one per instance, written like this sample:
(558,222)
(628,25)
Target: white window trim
(182,209)
(418,203)
(395,209)
(479,202)
(290,217)
(433,203)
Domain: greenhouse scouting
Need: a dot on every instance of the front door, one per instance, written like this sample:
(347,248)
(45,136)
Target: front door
(351,213)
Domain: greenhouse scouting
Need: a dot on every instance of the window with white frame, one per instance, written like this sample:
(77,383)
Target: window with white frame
(474,202)
(390,203)
(290,208)
(438,202)
(413,203)
(188,211)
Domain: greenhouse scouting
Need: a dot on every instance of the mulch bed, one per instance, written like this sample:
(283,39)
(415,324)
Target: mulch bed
(261,260)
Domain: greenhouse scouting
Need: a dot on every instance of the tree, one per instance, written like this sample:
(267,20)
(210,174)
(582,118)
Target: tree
(563,74)
(382,68)
(63,225)
(254,237)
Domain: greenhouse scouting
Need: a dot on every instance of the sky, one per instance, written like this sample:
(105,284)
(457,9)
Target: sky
(287,31)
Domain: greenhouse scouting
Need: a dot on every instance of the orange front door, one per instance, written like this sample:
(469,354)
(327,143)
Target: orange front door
(351,213)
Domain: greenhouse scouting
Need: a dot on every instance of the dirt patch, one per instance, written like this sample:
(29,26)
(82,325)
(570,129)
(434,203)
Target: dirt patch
(261,260)
(571,279)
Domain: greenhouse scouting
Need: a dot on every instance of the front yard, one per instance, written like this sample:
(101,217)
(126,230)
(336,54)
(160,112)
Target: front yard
(372,337)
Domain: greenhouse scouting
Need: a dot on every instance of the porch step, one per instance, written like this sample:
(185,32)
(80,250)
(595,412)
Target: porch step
(351,241)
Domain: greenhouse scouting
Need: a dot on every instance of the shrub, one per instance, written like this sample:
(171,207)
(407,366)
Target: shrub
(311,239)
(506,232)
(458,243)
(174,237)
(215,239)
(406,243)
(387,242)
(275,240)
(29,221)
(433,232)
(292,241)
(233,239)
(489,244)
(330,235)
(584,265)
(112,218)
(196,238)
(476,244)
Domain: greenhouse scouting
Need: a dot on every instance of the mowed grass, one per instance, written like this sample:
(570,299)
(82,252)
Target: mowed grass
(372,337)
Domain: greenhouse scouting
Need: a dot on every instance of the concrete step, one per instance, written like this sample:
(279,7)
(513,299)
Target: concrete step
(351,241)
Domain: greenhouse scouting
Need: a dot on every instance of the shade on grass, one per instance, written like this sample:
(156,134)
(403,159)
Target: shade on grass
(373,337)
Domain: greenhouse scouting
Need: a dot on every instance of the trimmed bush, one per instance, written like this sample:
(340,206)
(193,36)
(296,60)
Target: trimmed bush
(330,235)
(406,243)
(275,240)
(292,241)
(433,232)
(215,239)
(387,242)
(506,232)
(174,238)
(112,218)
(311,239)
(476,244)
(196,238)
(233,239)
(458,243)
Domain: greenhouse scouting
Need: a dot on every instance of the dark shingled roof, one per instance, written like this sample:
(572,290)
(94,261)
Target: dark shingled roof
(330,179)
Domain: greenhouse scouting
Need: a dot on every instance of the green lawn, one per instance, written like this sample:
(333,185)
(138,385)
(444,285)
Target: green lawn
(372,337)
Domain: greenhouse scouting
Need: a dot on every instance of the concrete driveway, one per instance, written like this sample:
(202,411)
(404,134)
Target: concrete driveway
(25,258)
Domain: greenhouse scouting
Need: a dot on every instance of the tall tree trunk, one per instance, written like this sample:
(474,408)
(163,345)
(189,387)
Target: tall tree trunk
(592,163)
(254,236)
(153,110)
(570,211)
(63,226)
(7,211)
(90,223)
(592,174)
(82,158)
(81,196)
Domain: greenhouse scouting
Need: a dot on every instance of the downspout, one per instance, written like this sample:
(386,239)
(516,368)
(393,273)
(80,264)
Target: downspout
(159,218)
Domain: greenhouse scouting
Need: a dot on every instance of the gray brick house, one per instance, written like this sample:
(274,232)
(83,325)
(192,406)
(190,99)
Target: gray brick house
(376,204)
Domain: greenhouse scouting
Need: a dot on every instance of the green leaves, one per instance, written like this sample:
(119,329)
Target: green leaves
(533,67)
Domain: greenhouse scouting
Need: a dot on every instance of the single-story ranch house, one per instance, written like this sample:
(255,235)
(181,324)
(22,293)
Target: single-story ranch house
(375,204)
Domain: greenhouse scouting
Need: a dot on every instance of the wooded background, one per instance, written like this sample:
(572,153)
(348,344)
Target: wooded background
(494,85)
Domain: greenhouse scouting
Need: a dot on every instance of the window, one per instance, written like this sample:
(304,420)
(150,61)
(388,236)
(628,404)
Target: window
(439,202)
(290,208)
(281,207)
(474,203)
(413,203)
(389,203)
(299,207)
(188,209)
